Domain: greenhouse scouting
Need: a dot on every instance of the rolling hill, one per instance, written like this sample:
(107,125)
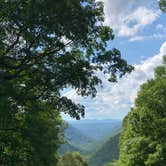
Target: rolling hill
(74,140)
(75,137)
(96,129)
(108,152)
(97,140)
(67,147)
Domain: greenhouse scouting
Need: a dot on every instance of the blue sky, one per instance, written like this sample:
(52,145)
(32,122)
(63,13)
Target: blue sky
(140,34)
(147,33)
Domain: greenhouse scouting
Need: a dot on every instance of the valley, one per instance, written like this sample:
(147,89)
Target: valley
(96,140)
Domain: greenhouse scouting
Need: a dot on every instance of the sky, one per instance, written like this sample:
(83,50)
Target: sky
(140,34)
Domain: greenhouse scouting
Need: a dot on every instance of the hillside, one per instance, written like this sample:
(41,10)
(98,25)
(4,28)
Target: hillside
(76,137)
(74,140)
(67,147)
(108,152)
(92,138)
(96,129)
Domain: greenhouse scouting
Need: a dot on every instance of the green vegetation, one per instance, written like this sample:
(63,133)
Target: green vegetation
(97,129)
(75,140)
(72,159)
(108,152)
(78,136)
(110,164)
(67,147)
(46,46)
(143,139)
(162,4)
(99,152)
(28,136)
(97,156)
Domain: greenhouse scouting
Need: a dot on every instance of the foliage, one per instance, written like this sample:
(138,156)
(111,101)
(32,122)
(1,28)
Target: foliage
(143,140)
(111,164)
(162,4)
(107,153)
(72,159)
(95,129)
(74,140)
(46,46)
(28,136)
(68,147)
(74,136)
(89,136)
(49,45)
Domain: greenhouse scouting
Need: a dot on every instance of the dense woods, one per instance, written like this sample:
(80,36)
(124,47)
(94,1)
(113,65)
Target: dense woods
(46,46)
(143,137)
(69,159)
(96,140)
(108,152)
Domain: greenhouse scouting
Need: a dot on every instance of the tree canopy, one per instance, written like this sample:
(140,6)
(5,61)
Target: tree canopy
(50,45)
(143,139)
(29,136)
(162,4)
(46,46)
(72,159)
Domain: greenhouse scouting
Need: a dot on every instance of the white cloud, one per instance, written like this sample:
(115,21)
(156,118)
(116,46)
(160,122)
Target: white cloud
(129,17)
(137,38)
(161,29)
(163,49)
(159,26)
(115,100)
(148,37)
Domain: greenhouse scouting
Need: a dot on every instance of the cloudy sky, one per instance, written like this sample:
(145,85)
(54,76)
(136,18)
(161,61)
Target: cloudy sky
(140,34)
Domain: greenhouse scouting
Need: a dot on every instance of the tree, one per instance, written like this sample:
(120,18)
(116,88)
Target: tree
(46,46)
(110,164)
(72,159)
(143,137)
(162,4)
(29,136)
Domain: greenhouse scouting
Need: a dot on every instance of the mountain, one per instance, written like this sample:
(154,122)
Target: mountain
(108,152)
(67,147)
(97,129)
(74,140)
(91,138)
(75,137)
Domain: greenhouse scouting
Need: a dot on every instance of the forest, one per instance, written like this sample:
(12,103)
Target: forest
(47,47)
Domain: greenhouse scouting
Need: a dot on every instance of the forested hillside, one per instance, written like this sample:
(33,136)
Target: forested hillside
(75,136)
(74,140)
(88,135)
(108,152)
(96,129)
(67,147)
(97,150)
(143,138)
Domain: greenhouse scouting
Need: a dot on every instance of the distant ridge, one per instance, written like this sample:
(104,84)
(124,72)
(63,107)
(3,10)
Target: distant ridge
(75,137)
(91,120)
(97,129)
(67,147)
(88,136)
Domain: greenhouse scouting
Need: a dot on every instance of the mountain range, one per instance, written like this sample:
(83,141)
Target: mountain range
(97,140)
